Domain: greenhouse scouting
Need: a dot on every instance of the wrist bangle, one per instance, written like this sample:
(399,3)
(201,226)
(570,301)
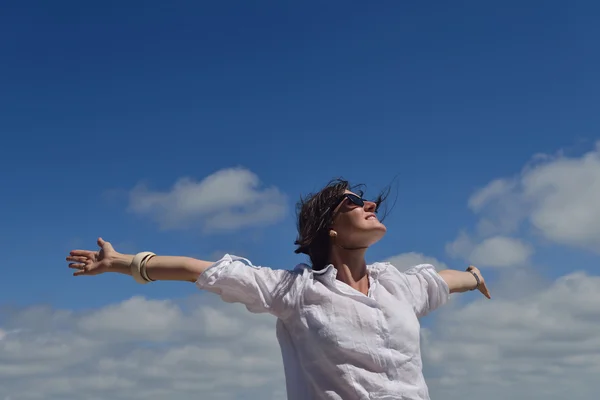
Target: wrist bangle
(143,271)
(469,269)
(136,266)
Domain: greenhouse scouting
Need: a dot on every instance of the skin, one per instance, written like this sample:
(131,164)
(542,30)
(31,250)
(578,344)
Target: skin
(353,231)
(354,227)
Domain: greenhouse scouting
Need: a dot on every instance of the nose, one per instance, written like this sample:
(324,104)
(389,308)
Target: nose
(370,206)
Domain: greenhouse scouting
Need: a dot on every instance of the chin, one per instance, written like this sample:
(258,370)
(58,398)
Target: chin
(374,234)
(379,227)
(381,232)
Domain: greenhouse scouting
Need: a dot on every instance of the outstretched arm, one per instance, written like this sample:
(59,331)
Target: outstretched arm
(107,259)
(463,281)
(235,279)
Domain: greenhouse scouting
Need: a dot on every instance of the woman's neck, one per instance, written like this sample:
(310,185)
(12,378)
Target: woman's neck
(351,268)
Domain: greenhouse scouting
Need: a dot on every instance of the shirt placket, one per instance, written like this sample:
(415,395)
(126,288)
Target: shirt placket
(382,324)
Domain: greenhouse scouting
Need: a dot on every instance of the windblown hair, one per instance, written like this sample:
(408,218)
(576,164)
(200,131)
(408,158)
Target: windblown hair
(315,217)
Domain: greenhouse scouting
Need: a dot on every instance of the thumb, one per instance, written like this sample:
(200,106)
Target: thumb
(104,245)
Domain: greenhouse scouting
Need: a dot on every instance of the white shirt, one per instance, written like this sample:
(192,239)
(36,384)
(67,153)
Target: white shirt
(337,343)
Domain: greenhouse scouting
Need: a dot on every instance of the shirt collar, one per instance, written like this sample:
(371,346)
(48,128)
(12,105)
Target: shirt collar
(329,273)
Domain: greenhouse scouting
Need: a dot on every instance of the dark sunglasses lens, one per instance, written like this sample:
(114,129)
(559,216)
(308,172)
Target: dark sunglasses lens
(356,200)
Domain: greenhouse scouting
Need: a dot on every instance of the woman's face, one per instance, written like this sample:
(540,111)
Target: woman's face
(356,223)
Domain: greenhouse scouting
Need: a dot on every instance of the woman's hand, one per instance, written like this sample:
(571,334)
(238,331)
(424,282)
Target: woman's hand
(87,262)
(481,282)
(464,281)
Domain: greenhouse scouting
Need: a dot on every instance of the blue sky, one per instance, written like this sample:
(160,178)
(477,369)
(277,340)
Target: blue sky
(97,97)
(158,126)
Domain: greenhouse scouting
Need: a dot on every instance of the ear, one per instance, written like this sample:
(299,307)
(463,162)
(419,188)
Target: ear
(332,233)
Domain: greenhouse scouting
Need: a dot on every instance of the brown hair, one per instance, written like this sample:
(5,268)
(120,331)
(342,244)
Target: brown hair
(315,217)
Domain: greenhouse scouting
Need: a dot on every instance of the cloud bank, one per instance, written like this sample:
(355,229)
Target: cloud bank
(542,344)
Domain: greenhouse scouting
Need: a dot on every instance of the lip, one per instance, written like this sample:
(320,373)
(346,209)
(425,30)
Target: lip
(371,215)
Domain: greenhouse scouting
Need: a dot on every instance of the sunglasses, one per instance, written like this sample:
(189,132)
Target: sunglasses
(354,199)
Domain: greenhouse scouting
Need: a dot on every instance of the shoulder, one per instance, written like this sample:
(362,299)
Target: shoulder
(240,271)
(304,273)
(386,271)
(389,268)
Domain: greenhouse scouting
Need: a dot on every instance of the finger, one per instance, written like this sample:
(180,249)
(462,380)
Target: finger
(100,242)
(80,266)
(77,258)
(86,272)
(83,253)
(485,290)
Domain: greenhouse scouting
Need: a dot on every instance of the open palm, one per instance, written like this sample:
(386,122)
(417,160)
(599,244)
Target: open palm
(87,262)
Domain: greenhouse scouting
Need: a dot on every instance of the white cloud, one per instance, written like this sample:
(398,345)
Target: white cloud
(557,195)
(406,260)
(497,251)
(501,251)
(545,345)
(153,320)
(493,190)
(141,349)
(229,199)
(520,347)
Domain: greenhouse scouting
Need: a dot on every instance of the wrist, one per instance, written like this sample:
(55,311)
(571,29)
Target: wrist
(121,264)
(475,282)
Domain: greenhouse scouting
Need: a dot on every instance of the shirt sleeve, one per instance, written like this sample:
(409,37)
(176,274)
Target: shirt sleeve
(260,289)
(424,287)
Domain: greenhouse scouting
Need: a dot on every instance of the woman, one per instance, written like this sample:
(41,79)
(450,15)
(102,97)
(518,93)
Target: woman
(347,330)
